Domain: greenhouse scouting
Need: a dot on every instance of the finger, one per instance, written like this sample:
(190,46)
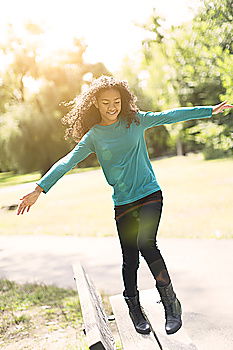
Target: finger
(24,197)
(20,208)
(222,103)
(23,210)
(225,108)
(28,208)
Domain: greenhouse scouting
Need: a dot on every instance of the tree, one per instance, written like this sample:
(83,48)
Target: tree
(156,138)
(205,74)
(194,60)
(160,82)
(31,133)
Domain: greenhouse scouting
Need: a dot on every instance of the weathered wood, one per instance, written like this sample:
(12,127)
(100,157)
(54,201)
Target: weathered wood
(98,333)
(130,338)
(155,313)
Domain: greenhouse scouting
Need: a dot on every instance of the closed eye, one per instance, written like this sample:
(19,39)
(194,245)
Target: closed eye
(106,103)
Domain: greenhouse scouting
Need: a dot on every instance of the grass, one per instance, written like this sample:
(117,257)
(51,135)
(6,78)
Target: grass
(31,312)
(25,308)
(197,202)
(11,179)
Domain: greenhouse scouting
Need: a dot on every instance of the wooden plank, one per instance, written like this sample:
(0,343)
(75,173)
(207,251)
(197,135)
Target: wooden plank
(98,333)
(155,313)
(130,338)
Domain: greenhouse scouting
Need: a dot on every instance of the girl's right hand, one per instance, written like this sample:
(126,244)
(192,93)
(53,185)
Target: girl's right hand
(27,201)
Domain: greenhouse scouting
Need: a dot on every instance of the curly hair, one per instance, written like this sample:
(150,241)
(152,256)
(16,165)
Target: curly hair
(84,115)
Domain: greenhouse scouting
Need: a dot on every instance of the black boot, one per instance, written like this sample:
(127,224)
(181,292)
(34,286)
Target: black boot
(140,323)
(172,308)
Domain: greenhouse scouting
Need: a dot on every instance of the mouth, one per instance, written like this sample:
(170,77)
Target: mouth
(112,113)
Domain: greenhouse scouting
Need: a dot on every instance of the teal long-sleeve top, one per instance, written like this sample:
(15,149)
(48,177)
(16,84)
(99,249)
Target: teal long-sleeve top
(122,153)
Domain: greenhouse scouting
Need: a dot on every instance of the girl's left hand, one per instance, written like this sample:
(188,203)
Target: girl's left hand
(220,107)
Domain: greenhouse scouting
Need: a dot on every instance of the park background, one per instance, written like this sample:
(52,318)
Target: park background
(171,54)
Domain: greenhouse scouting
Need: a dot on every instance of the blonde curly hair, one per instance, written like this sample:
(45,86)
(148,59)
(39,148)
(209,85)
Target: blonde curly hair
(84,115)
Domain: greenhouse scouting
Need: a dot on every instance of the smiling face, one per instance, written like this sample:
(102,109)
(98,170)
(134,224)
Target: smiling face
(109,104)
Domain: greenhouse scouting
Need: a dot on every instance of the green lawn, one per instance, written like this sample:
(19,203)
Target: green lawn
(30,311)
(10,179)
(197,194)
(38,316)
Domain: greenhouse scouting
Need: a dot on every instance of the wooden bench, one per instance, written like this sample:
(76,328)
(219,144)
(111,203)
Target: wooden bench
(97,330)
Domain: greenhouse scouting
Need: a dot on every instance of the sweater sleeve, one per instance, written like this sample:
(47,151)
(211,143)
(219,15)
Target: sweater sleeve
(68,162)
(150,119)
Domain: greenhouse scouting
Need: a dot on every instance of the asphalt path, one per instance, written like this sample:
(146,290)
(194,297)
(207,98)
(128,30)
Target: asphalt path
(200,269)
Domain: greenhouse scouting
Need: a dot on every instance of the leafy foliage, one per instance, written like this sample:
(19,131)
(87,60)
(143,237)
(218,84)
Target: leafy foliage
(191,65)
(31,90)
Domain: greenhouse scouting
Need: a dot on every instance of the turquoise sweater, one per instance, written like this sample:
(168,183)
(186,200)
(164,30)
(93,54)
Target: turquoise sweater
(122,153)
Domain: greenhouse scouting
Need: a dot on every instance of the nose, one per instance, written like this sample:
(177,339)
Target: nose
(112,107)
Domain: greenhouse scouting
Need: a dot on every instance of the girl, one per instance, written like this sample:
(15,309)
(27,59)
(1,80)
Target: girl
(105,120)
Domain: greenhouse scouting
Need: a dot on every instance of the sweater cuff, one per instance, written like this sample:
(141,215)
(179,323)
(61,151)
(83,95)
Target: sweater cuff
(44,190)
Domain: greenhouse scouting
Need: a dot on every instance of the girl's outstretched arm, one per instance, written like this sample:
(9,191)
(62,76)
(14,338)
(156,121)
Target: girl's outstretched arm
(150,119)
(62,166)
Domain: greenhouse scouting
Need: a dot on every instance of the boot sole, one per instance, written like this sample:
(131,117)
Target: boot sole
(172,331)
(144,332)
(141,332)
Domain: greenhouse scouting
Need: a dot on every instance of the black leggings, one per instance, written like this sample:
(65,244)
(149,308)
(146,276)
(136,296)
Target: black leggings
(137,224)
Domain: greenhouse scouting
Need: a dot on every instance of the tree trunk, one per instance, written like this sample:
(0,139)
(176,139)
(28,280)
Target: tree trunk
(179,147)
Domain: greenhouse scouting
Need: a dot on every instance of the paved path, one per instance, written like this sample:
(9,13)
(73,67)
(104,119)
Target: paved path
(201,271)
